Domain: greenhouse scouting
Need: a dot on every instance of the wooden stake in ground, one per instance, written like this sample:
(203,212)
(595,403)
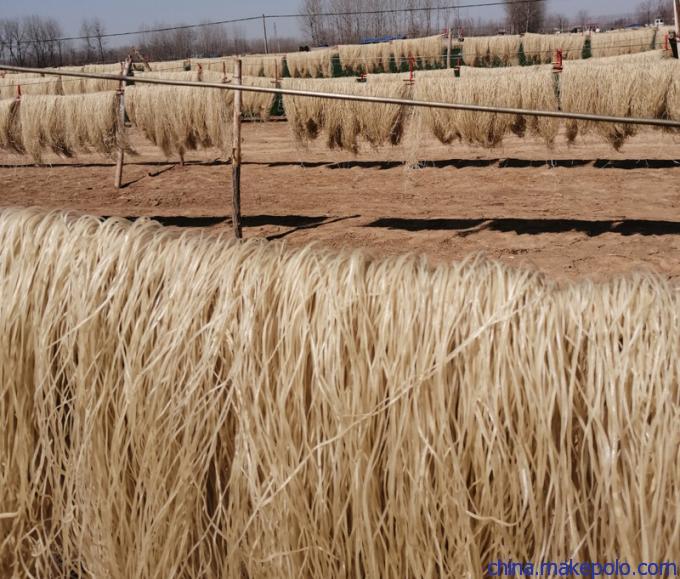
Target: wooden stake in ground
(236,155)
(120,159)
(118,180)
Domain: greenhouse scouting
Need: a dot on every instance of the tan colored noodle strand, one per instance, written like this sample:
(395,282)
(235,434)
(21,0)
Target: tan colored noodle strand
(30,86)
(622,42)
(10,126)
(313,64)
(491,50)
(623,89)
(541,48)
(178,404)
(344,122)
(180,119)
(483,129)
(68,125)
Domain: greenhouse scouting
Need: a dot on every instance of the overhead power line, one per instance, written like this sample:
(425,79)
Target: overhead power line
(361,98)
(281,16)
(416,9)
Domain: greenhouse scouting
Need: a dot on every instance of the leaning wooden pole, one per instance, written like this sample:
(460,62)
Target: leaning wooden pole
(236,155)
(120,159)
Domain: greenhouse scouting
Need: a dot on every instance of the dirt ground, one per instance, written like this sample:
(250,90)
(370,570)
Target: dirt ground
(571,211)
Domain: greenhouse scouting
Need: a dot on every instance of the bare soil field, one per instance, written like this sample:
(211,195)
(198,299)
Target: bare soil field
(571,211)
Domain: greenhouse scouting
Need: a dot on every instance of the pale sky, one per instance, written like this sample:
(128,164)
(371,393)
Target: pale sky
(124,15)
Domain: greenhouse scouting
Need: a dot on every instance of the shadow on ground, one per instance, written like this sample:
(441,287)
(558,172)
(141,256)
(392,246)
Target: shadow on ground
(500,163)
(295,222)
(463,227)
(506,163)
(532,226)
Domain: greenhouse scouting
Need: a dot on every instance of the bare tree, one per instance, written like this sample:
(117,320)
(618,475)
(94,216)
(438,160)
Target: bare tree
(557,22)
(183,41)
(88,40)
(312,22)
(645,12)
(378,18)
(93,31)
(41,36)
(525,16)
(99,30)
(649,10)
(14,39)
(211,41)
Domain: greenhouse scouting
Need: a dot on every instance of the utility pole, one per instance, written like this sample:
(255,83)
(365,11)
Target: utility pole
(264,27)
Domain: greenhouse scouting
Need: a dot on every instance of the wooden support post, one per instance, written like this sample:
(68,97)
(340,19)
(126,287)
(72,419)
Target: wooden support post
(448,49)
(236,155)
(120,159)
(118,181)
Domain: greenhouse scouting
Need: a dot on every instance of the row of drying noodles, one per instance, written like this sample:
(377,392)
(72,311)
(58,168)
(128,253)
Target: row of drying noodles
(345,124)
(174,118)
(488,51)
(35,84)
(620,42)
(541,48)
(636,87)
(64,125)
(262,65)
(180,119)
(428,52)
(483,51)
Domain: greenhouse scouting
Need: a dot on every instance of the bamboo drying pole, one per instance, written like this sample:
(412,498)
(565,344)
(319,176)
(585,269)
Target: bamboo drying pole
(236,155)
(120,160)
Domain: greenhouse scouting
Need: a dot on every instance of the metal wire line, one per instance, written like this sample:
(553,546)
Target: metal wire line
(370,99)
(276,16)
